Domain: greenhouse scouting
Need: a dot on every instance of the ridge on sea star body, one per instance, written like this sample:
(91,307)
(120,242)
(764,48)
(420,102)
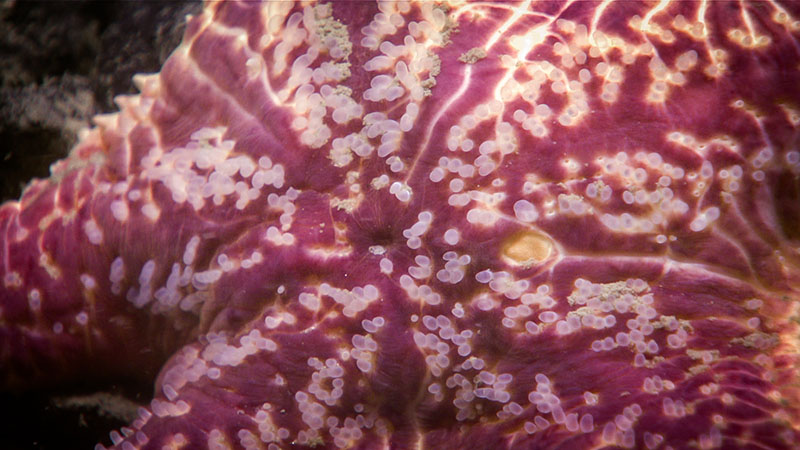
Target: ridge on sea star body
(569,225)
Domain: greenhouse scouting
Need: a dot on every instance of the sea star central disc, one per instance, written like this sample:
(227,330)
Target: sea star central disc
(433,225)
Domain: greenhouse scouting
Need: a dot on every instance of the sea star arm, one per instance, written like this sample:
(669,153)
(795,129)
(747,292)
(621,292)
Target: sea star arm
(61,308)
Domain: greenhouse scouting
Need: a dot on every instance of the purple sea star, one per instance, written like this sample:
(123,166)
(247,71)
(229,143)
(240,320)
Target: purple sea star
(421,225)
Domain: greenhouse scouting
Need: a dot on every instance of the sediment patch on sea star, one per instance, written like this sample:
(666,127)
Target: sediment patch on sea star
(337,231)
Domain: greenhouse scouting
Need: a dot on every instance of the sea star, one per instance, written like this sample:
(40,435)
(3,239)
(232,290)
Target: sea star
(433,225)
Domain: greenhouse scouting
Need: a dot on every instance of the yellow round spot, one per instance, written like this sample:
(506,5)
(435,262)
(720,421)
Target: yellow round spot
(527,247)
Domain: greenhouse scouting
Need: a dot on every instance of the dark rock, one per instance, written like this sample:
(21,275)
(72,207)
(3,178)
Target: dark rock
(63,62)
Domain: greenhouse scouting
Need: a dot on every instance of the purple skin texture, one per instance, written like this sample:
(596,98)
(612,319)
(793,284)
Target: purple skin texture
(550,225)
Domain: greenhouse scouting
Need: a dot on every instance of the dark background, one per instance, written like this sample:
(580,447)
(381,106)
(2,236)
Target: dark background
(61,62)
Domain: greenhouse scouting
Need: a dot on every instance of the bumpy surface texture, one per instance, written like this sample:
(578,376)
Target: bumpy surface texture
(421,225)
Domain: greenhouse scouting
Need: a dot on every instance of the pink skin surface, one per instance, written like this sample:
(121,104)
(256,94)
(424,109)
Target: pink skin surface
(551,225)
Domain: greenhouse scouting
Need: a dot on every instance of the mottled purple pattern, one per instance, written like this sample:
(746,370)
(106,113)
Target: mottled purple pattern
(420,225)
